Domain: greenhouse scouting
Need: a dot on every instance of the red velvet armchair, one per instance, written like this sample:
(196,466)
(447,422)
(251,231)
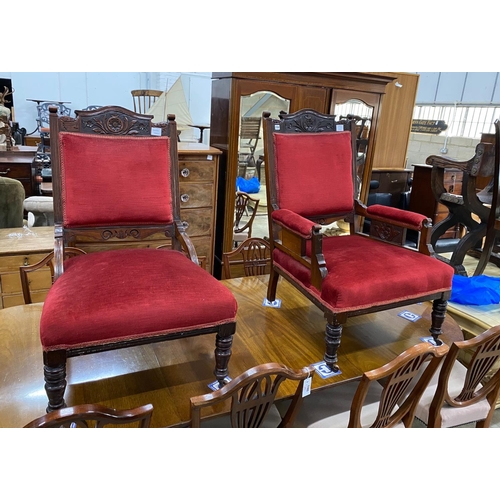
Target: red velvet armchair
(311,182)
(115,179)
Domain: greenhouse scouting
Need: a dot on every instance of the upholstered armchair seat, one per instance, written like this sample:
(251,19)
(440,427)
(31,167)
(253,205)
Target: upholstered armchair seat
(393,273)
(119,295)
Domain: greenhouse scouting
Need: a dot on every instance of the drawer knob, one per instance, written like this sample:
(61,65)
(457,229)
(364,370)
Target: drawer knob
(184,197)
(185,172)
(26,261)
(185,224)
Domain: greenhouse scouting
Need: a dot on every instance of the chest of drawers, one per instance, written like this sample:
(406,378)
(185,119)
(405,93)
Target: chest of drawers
(20,247)
(18,164)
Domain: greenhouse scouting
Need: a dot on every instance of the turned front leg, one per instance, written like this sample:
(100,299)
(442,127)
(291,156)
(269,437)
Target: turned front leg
(223,343)
(332,340)
(54,371)
(437,319)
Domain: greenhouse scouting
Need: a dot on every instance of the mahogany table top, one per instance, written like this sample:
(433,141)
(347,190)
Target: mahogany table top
(169,373)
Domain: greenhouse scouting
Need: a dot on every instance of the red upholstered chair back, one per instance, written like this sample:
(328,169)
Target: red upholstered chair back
(115,174)
(312,172)
(110,180)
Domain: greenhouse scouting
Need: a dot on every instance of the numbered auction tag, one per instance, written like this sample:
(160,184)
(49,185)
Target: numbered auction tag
(215,385)
(274,303)
(306,388)
(409,316)
(324,371)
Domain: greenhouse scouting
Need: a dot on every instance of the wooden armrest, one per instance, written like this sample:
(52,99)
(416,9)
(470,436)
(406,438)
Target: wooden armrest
(185,243)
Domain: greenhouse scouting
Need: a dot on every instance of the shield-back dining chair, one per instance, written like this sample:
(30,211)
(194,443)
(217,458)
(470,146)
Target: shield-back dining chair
(251,396)
(93,416)
(310,161)
(384,397)
(115,181)
(459,395)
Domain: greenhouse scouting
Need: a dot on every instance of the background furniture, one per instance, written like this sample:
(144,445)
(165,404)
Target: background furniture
(251,258)
(395,182)
(490,246)
(42,121)
(42,108)
(235,94)
(19,164)
(250,130)
(384,397)
(42,207)
(144,99)
(90,415)
(307,153)
(460,395)
(422,199)
(198,180)
(11,203)
(465,209)
(201,128)
(113,144)
(244,205)
(22,247)
(146,373)
(252,395)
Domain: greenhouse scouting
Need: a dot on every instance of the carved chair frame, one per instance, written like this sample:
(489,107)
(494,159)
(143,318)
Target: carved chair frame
(389,231)
(119,121)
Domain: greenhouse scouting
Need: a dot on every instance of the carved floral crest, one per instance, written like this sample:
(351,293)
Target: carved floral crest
(114,123)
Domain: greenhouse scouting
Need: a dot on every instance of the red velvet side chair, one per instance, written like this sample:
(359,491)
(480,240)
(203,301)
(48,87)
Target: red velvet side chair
(115,180)
(311,181)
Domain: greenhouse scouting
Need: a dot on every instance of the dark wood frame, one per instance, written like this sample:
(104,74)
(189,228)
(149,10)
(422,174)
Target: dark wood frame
(116,120)
(387,230)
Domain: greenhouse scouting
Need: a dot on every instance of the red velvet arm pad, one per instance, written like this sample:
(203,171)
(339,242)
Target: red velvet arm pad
(295,222)
(411,219)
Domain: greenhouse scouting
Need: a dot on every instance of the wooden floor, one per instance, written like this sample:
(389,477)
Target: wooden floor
(168,374)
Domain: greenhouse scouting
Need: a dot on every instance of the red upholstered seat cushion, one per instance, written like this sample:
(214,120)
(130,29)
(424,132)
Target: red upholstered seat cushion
(363,273)
(329,156)
(109,180)
(124,294)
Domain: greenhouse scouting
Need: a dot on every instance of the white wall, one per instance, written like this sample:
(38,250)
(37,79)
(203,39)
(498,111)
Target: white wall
(84,89)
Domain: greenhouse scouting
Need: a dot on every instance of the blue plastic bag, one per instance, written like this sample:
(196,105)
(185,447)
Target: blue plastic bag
(248,185)
(475,290)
